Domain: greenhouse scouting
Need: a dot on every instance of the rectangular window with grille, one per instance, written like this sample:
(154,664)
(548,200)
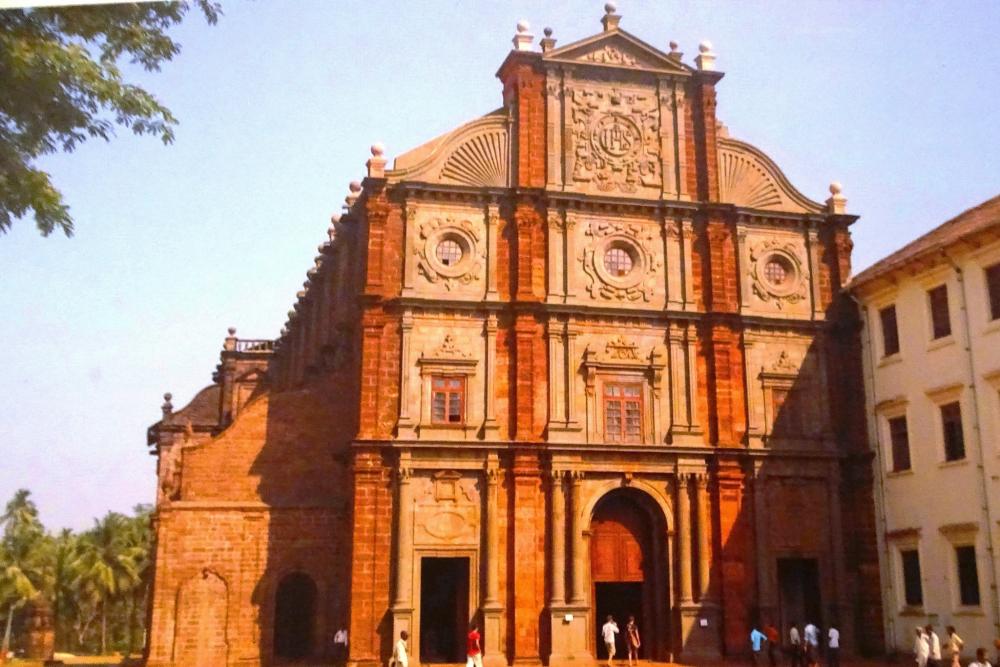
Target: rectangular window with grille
(968,576)
(890,332)
(622,412)
(940,318)
(900,444)
(993,288)
(954,438)
(447,400)
(913,589)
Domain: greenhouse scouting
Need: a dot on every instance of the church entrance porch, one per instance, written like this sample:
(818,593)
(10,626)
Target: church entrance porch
(444,609)
(629,571)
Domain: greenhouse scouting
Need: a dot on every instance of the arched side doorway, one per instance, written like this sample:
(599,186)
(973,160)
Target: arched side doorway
(294,618)
(629,571)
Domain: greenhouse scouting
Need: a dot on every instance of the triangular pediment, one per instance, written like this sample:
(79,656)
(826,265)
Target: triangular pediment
(619,49)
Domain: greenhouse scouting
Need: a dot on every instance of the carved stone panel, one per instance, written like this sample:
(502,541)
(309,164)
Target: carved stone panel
(777,279)
(613,139)
(446,509)
(621,262)
(447,251)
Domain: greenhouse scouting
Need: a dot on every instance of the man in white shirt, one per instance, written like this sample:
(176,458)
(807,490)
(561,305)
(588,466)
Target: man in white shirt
(934,646)
(399,657)
(608,632)
(795,640)
(811,634)
(833,647)
(340,646)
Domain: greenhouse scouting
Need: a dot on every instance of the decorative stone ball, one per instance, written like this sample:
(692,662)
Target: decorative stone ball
(168,397)
(836,188)
(354,186)
(378,148)
(232,331)
(673,46)
(335,218)
(548,32)
(610,8)
(705,47)
(523,26)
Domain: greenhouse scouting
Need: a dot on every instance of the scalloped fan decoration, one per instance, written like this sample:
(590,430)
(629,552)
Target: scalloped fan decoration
(745,183)
(481,161)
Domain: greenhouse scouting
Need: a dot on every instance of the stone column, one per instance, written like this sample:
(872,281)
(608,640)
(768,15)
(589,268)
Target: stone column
(761,539)
(704,537)
(572,363)
(406,423)
(579,544)
(492,607)
(684,537)
(492,229)
(402,605)
(490,428)
(558,539)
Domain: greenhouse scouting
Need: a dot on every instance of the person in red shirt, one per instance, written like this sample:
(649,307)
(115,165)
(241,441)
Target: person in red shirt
(474,656)
(773,640)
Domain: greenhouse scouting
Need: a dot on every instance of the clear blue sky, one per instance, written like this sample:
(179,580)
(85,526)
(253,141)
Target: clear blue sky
(278,105)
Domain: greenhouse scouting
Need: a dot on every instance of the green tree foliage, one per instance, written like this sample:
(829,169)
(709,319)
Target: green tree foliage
(62,84)
(96,581)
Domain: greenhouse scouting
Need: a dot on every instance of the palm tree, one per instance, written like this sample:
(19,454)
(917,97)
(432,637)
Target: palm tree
(64,556)
(106,565)
(21,561)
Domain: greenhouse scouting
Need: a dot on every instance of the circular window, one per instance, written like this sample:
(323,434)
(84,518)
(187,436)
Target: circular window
(777,270)
(618,261)
(449,252)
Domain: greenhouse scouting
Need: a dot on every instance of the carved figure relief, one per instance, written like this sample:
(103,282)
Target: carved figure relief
(449,251)
(620,349)
(777,273)
(614,141)
(609,55)
(618,261)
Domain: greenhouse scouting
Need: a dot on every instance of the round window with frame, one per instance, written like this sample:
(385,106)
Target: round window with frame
(449,251)
(619,260)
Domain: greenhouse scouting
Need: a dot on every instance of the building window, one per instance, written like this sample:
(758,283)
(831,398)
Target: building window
(900,444)
(890,332)
(618,261)
(622,412)
(449,252)
(968,576)
(993,287)
(951,424)
(913,590)
(940,319)
(448,400)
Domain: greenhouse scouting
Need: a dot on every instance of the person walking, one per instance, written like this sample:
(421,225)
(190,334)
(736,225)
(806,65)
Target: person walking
(980,660)
(632,641)
(833,647)
(773,641)
(757,639)
(811,636)
(795,642)
(608,632)
(933,647)
(954,646)
(921,647)
(399,657)
(473,653)
(340,646)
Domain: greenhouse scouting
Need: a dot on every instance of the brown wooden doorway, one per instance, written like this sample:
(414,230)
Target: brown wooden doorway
(444,609)
(628,571)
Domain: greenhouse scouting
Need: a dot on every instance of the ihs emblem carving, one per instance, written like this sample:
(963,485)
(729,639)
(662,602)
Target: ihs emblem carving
(614,139)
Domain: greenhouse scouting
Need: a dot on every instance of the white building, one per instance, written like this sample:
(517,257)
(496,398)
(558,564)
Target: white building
(931,317)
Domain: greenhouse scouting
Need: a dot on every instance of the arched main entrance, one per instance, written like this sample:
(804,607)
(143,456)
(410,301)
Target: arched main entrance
(629,571)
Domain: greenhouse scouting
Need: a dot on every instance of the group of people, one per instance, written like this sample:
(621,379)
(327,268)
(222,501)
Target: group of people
(632,641)
(802,649)
(927,648)
(473,652)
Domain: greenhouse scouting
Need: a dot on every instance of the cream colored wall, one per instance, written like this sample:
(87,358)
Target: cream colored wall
(937,505)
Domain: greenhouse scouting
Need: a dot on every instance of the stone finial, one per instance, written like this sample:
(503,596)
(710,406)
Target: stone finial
(706,57)
(610,19)
(167,406)
(355,190)
(230,343)
(523,38)
(837,203)
(232,331)
(547,42)
(674,53)
(376,165)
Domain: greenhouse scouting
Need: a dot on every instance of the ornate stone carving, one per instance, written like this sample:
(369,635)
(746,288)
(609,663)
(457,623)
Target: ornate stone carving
(784,364)
(789,289)
(747,177)
(609,55)
(480,162)
(614,139)
(448,349)
(461,271)
(620,349)
(635,241)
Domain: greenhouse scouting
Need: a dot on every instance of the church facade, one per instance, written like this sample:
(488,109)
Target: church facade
(582,356)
